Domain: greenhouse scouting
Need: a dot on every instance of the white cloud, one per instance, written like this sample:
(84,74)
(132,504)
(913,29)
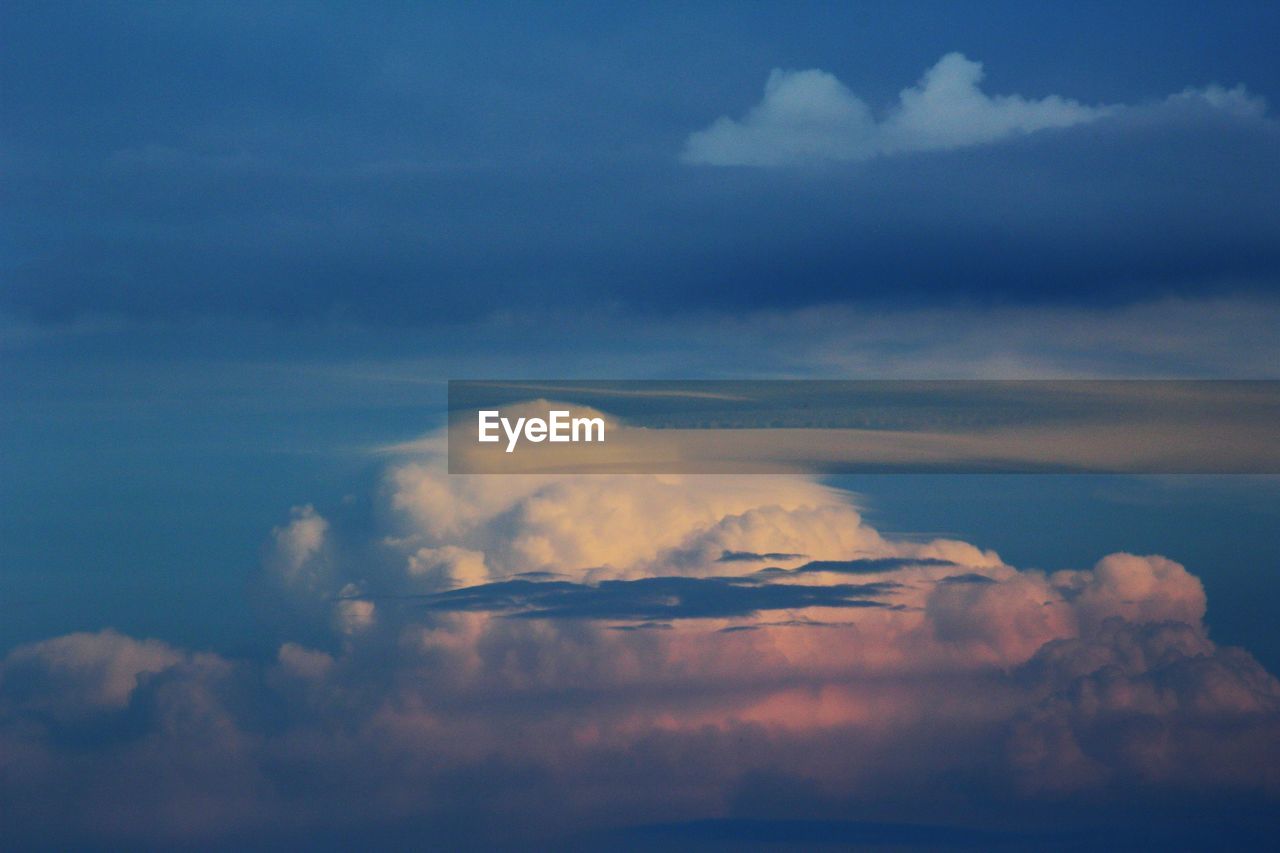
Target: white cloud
(805,115)
(298,543)
(810,116)
(1236,101)
(946,109)
(352,616)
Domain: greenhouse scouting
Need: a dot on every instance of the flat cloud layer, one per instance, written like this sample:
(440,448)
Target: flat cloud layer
(512,656)
(808,116)
(391,211)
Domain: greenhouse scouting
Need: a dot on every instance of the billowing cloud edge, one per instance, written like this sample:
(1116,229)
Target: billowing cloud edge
(541,652)
(809,116)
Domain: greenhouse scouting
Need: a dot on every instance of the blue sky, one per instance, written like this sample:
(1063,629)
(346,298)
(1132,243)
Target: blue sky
(243,246)
(417,166)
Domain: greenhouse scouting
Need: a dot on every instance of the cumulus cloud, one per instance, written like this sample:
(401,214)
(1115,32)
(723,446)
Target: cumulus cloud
(517,655)
(297,548)
(81,674)
(810,116)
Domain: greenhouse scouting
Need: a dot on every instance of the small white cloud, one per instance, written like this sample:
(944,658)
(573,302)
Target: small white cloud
(354,616)
(805,115)
(1236,101)
(442,568)
(946,109)
(298,542)
(301,662)
(810,116)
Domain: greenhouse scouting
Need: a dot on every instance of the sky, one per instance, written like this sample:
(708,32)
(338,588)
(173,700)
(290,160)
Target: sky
(243,247)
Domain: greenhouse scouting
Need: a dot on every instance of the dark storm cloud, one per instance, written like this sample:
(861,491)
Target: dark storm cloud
(867,566)
(860,566)
(246,162)
(752,557)
(643,626)
(653,599)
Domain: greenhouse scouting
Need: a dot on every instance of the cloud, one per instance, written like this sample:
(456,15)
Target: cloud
(299,543)
(482,670)
(750,557)
(1173,337)
(300,576)
(654,599)
(316,190)
(617,525)
(1078,215)
(810,116)
(1133,701)
(864,566)
(81,674)
(805,115)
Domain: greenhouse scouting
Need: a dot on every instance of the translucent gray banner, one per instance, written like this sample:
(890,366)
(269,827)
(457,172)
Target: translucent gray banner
(830,427)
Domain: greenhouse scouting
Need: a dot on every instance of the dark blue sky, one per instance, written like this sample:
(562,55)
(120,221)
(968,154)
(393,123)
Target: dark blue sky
(413,164)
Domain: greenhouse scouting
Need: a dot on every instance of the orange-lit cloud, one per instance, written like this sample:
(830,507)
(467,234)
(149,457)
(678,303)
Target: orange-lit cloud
(603,651)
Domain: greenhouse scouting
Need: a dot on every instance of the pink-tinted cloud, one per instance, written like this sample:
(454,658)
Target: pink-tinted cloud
(491,722)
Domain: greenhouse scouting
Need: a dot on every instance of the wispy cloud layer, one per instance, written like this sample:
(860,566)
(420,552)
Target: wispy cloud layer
(810,116)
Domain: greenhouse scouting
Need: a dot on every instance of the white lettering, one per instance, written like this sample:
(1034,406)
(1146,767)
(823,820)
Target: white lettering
(513,435)
(488,421)
(559,424)
(558,427)
(587,425)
